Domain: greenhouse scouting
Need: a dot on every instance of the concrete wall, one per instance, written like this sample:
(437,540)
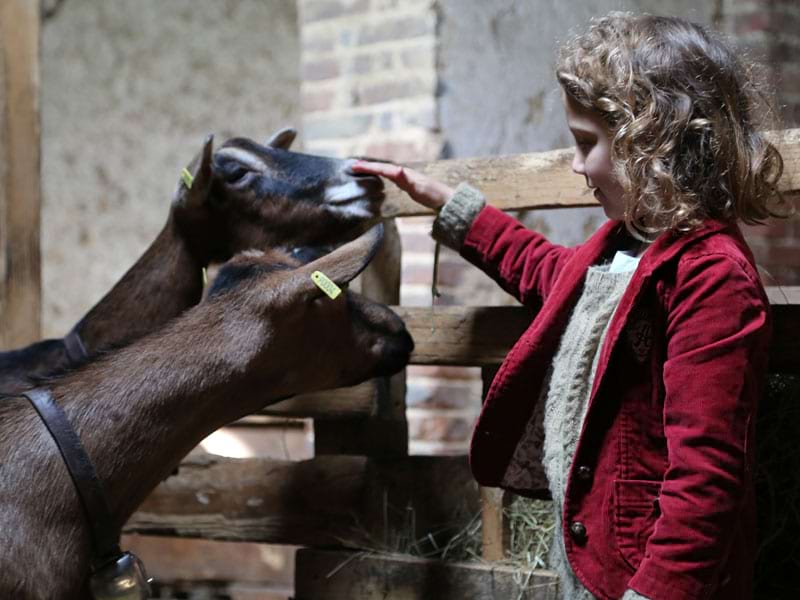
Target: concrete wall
(129,90)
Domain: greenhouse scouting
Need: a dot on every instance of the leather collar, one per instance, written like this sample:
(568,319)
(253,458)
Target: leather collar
(105,536)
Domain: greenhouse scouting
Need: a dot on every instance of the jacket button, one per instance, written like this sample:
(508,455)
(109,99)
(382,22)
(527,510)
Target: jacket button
(577,531)
(584,473)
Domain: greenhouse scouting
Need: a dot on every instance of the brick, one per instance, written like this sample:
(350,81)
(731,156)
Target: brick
(396,29)
(775,228)
(430,394)
(749,22)
(426,117)
(361,64)
(787,253)
(392,89)
(318,42)
(448,373)
(789,80)
(440,428)
(316,70)
(318,100)
(419,56)
(319,10)
(785,50)
(397,151)
(336,126)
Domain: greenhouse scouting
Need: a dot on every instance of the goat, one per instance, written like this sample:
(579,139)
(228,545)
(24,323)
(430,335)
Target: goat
(263,332)
(244,196)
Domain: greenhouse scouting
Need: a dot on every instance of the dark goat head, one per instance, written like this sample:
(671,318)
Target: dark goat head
(315,342)
(246,195)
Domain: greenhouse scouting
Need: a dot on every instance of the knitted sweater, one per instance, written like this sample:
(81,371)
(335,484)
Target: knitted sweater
(566,393)
(567,399)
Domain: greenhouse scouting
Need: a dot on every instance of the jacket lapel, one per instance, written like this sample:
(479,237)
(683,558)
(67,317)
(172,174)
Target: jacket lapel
(662,251)
(513,394)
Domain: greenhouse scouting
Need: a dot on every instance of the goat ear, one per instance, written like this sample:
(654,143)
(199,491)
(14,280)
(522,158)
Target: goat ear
(346,262)
(193,191)
(283,138)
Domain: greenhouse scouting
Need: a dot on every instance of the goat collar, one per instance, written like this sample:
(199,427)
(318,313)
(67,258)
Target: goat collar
(107,559)
(76,350)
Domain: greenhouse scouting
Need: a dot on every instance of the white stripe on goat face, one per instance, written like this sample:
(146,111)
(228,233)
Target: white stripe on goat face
(244,157)
(348,198)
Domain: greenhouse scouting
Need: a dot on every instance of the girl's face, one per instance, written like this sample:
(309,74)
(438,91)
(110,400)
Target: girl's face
(593,157)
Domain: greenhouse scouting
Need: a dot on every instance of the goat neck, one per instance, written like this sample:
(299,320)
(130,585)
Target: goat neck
(165,281)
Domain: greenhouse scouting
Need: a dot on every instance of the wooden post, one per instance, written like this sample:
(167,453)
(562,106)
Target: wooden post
(495,533)
(384,433)
(20,182)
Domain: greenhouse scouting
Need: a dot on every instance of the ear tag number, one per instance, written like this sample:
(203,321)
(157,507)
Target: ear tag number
(325,284)
(187,178)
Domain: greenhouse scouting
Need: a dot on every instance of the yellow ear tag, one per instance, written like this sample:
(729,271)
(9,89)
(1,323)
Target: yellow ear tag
(187,178)
(325,284)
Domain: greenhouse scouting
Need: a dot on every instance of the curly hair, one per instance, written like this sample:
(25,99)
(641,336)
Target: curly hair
(681,109)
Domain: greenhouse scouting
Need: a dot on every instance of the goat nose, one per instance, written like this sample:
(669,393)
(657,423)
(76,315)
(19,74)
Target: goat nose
(397,353)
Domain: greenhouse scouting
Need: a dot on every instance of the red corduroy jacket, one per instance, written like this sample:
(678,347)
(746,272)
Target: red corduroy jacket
(660,495)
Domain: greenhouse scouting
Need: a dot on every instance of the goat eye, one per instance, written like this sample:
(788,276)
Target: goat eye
(236,173)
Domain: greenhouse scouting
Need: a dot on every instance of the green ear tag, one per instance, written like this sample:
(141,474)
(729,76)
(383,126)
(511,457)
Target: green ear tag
(325,284)
(187,178)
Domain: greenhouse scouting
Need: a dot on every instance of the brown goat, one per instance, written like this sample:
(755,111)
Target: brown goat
(264,332)
(244,196)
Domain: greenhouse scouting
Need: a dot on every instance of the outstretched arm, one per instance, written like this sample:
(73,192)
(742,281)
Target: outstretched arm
(521,261)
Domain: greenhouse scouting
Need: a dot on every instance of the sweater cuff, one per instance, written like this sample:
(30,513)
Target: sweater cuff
(632,595)
(456,217)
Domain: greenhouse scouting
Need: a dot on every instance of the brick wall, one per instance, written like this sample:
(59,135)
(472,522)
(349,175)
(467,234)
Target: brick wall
(770,30)
(369,87)
(369,78)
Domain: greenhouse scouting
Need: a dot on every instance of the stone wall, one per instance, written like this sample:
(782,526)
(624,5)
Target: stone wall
(129,91)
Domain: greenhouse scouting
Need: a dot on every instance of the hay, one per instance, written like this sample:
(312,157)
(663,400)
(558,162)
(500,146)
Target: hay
(531,526)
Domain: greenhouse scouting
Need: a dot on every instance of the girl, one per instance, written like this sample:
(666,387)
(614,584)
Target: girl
(649,349)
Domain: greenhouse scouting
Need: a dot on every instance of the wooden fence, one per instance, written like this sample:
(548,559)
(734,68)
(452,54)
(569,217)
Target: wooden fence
(362,490)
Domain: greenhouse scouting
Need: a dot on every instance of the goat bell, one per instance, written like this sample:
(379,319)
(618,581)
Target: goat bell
(122,579)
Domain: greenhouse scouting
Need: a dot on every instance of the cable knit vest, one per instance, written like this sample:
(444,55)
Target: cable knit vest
(565,402)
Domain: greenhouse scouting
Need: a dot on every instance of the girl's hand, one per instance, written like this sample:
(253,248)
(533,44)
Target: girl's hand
(421,188)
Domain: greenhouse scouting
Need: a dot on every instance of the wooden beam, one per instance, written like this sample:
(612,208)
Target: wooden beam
(482,336)
(463,335)
(350,501)
(20,186)
(344,403)
(545,179)
(339,575)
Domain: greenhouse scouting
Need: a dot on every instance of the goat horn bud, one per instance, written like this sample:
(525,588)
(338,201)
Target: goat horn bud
(282,139)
